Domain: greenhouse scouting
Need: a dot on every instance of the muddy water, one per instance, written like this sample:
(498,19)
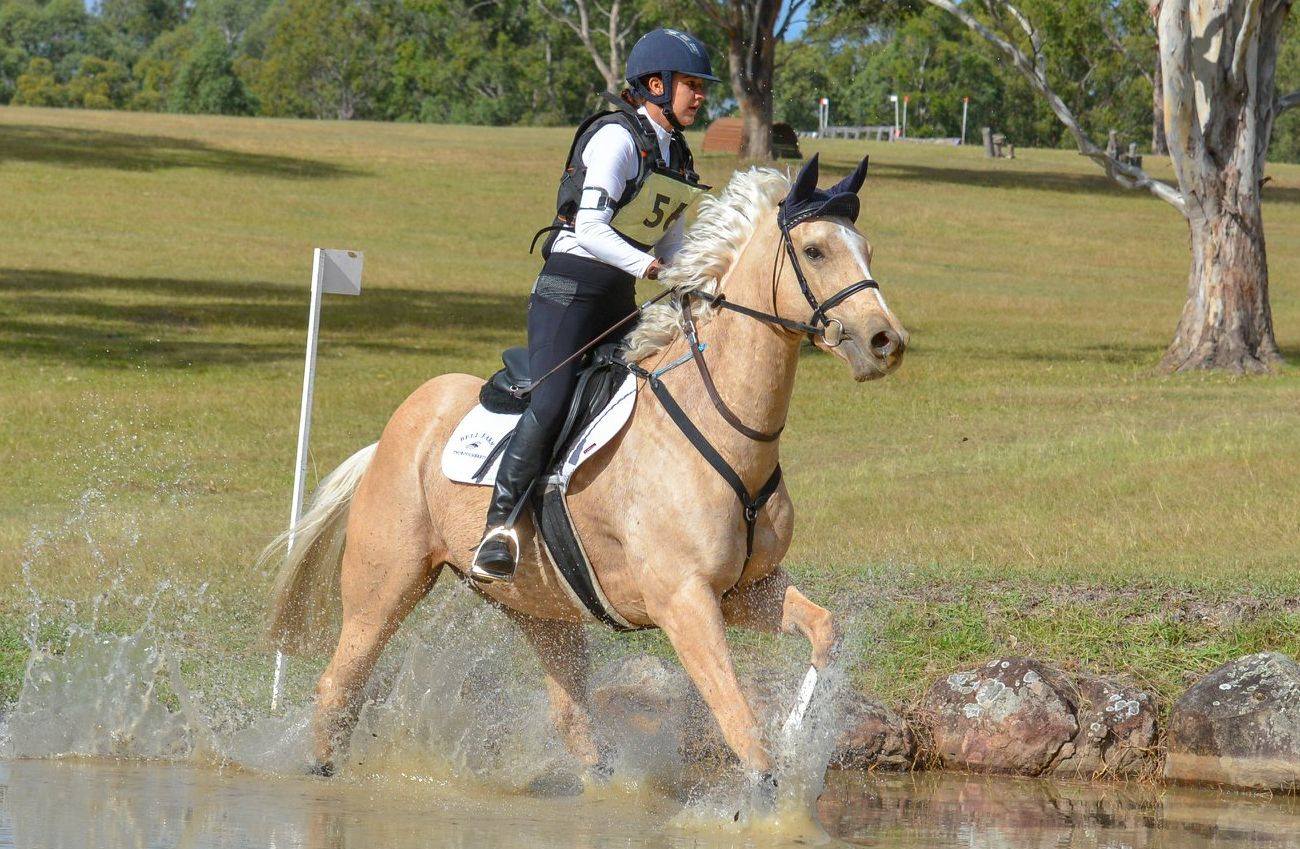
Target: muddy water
(60,804)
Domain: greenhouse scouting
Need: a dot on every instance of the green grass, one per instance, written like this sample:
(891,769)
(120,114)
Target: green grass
(1025,483)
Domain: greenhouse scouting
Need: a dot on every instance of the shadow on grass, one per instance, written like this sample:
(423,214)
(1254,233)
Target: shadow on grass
(114,322)
(1011,177)
(81,148)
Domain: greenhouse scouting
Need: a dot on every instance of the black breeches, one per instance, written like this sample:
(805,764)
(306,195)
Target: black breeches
(574,301)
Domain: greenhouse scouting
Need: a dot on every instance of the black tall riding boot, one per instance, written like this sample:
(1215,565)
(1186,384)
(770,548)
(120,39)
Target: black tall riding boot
(522,462)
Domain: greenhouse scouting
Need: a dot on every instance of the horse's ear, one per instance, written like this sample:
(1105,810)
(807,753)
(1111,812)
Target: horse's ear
(806,183)
(852,183)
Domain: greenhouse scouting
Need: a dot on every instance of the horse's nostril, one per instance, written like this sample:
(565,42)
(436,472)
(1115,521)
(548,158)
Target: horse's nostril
(884,343)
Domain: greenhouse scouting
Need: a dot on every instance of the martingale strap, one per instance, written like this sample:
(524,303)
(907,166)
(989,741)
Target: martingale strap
(692,338)
(751,506)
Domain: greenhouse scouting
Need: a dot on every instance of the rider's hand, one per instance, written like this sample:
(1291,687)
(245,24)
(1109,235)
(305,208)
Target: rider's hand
(652,273)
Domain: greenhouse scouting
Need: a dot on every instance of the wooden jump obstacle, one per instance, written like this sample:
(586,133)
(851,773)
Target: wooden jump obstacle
(725,135)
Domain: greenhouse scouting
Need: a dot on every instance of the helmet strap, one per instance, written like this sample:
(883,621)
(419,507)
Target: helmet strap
(667,106)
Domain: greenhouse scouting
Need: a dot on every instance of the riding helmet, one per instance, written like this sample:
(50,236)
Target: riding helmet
(665,52)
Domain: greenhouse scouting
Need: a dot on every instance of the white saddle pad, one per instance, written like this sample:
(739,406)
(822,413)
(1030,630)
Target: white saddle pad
(480,431)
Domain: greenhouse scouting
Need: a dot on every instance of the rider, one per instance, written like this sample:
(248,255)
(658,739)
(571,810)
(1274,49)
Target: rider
(625,185)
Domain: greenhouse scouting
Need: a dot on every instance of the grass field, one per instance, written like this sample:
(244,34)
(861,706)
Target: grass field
(1024,483)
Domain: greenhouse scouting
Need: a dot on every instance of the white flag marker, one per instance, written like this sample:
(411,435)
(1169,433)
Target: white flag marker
(339,273)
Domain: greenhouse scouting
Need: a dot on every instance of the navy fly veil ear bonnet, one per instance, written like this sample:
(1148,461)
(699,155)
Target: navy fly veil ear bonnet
(806,201)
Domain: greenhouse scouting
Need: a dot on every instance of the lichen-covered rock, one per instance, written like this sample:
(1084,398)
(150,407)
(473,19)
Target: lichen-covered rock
(1117,726)
(873,737)
(1239,725)
(1001,717)
(1025,717)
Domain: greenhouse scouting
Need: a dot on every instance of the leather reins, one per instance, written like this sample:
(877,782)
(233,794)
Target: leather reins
(818,325)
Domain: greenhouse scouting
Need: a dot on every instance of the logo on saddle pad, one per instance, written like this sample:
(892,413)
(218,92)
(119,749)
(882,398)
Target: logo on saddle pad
(475,444)
(480,430)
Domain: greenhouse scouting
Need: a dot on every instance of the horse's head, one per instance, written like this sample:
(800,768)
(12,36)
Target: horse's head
(824,273)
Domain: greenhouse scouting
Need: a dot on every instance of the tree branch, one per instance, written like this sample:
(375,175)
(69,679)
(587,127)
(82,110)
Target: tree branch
(791,9)
(1286,101)
(710,8)
(1128,176)
(1249,26)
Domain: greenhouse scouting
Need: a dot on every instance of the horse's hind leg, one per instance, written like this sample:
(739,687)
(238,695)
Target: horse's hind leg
(774,605)
(562,649)
(385,574)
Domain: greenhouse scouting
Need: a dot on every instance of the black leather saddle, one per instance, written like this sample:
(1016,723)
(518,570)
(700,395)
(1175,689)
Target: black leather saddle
(601,375)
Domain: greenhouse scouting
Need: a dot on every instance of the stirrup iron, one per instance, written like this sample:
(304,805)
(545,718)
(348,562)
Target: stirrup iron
(488,576)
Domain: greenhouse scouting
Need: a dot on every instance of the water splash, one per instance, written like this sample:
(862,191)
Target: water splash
(457,700)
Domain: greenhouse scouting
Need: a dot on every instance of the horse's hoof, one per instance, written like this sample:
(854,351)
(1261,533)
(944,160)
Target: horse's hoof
(555,783)
(325,769)
(762,792)
(600,774)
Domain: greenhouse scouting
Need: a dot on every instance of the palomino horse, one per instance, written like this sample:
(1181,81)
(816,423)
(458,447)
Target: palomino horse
(663,529)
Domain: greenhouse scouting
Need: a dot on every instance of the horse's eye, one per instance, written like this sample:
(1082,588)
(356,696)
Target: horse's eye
(812,252)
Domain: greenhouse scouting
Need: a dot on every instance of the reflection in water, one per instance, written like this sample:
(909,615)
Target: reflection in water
(118,804)
(937,809)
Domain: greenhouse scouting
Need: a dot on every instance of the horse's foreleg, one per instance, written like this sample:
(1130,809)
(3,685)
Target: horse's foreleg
(693,621)
(563,652)
(775,605)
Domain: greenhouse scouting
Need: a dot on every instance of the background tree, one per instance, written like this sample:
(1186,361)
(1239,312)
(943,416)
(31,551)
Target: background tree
(603,30)
(1217,64)
(326,58)
(752,29)
(206,81)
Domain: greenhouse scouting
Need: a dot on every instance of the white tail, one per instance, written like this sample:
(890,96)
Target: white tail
(306,588)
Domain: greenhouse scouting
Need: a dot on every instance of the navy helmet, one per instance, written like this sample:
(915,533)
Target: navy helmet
(664,52)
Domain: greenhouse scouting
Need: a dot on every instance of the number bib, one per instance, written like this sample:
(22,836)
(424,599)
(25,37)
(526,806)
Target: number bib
(662,200)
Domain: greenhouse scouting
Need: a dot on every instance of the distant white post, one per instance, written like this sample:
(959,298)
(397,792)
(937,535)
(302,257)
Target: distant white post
(823,116)
(893,98)
(339,273)
(965,104)
(906,98)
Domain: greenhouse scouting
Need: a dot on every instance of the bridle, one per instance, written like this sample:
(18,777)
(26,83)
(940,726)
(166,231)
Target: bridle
(819,325)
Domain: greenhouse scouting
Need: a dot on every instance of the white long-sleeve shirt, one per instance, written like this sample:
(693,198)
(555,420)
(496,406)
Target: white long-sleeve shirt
(612,161)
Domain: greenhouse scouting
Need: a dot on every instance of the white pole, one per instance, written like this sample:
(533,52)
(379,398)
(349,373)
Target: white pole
(894,98)
(906,98)
(965,104)
(802,700)
(304,431)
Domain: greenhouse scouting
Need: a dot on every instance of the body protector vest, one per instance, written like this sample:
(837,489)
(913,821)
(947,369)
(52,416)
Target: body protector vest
(651,203)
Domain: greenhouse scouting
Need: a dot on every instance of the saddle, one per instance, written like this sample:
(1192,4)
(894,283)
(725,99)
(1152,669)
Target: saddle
(602,405)
(598,381)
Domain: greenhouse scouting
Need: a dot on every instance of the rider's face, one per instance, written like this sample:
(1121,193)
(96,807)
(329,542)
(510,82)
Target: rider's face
(689,94)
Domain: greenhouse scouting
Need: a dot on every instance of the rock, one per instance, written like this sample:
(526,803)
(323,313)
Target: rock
(1020,716)
(873,737)
(1240,726)
(1117,727)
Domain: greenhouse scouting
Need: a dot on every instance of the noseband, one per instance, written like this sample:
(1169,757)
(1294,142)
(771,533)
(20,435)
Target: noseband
(819,325)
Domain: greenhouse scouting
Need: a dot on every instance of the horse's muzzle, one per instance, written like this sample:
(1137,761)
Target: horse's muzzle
(873,351)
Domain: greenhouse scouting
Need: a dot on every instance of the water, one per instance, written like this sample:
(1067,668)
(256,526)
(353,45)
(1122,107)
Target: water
(142,722)
(105,804)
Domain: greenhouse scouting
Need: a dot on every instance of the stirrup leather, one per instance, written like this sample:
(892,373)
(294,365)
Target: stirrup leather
(485,576)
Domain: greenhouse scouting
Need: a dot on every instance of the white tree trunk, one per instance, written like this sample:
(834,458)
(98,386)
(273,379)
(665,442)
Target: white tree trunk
(1218,59)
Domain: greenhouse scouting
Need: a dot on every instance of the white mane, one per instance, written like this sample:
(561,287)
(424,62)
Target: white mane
(711,245)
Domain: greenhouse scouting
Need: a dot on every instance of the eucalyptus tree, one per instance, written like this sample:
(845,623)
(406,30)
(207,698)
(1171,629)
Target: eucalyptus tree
(1217,62)
(603,29)
(752,29)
